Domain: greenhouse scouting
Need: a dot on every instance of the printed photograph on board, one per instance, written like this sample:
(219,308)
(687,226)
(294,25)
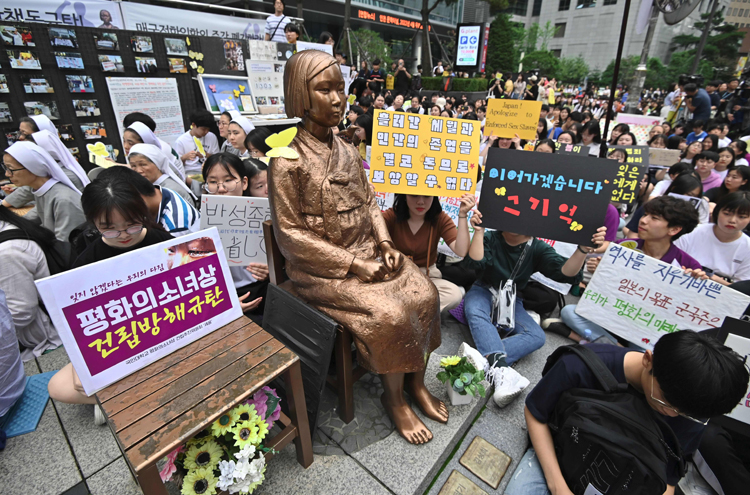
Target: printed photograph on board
(69,60)
(145,65)
(5,112)
(20,59)
(176,46)
(66,132)
(80,84)
(63,37)
(36,85)
(47,108)
(142,44)
(86,108)
(233,55)
(177,66)
(4,84)
(106,41)
(94,130)
(111,63)
(16,36)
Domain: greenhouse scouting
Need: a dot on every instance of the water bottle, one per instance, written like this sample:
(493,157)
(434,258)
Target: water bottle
(586,337)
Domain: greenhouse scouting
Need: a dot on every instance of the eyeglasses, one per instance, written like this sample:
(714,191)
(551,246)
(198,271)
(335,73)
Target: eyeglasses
(662,403)
(213,187)
(10,171)
(222,124)
(113,234)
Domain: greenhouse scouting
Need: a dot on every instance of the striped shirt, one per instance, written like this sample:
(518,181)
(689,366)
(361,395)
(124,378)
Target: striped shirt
(176,215)
(275,27)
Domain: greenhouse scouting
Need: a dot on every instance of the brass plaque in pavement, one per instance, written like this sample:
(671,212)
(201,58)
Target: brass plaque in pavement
(486,461)
(458,484)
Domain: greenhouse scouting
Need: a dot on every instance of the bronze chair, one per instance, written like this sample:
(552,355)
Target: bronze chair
(346,375)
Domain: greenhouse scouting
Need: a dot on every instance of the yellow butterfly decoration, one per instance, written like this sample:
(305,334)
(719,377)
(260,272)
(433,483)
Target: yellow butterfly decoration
(236,93)
(97,149)
(280,142)
(198,56)
(187,40)
(200,69)
(194,64)
(242,89)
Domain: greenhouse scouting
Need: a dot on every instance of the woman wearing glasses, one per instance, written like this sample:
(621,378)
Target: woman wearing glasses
(58,202)
(122,218)
(151,162)
(226,174)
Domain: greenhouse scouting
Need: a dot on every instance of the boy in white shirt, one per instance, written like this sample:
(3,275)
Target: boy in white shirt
(276,23)
(187,146)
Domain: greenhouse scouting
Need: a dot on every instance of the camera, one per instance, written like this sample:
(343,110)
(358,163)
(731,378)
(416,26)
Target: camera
(696,79)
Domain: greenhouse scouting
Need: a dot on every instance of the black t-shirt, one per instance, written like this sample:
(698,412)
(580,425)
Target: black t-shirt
(570,372)
(534,90)
(98,250)
(713,194)
(401,84)
(375,85)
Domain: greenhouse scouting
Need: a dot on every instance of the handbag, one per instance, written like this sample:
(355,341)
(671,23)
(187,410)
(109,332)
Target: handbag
(503,312)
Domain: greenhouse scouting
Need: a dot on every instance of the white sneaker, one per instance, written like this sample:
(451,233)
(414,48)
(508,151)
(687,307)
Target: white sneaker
(694,484)
(99,418)
(535,316)
(473,356)
(508,382)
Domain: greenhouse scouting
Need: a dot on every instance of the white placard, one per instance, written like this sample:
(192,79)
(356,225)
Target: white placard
(451,206)
(144,17)
(640,298)
(304,45)
(267,84)
(239,220)
(262,50)
(124,313)
(155,96)
(87,13)
(565,250)
(741,345)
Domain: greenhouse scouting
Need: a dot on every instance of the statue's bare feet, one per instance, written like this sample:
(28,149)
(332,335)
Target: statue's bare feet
(407,422)
(431,406)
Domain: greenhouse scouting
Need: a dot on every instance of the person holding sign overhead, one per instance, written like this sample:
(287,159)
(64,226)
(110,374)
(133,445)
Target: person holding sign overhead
(416,225)
(226,174)
(500,257)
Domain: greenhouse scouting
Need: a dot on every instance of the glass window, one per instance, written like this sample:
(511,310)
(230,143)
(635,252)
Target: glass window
(519,8)
(560,30)
(747,11)
(733,12)
(564,5)
(557,53)
(537,8)
(586,4)
(742,11)
(610,2)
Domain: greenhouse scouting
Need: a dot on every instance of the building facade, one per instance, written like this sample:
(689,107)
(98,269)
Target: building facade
(591,28)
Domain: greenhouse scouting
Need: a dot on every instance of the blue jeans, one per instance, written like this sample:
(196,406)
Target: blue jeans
(579,324)
(526,337)
(528,478)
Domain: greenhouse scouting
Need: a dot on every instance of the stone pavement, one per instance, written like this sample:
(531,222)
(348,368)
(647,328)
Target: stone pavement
(67,454)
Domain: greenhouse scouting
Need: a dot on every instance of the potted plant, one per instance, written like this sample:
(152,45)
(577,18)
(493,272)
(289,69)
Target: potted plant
(462,380)
(229,455)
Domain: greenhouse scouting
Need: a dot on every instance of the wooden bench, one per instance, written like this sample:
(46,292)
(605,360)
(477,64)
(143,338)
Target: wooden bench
(346,374)
(160,407)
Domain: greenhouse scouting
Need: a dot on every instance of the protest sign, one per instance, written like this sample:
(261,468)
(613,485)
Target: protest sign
(560,197)
(640,298)
(575,149)
(629,174)
(662,158)
(506,118)
(565,250)
(451,207)
(239,220)
(122,314)
(738,338)
(323,47)
(87,13)
(700,204)
(424,155)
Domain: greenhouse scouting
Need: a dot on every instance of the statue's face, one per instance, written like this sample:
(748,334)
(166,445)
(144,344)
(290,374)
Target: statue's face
(327,97)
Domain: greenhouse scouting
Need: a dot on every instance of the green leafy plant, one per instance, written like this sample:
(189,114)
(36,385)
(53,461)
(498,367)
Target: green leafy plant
(462,375)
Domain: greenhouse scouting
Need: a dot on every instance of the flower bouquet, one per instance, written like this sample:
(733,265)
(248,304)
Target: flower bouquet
(462,379)
(229,455)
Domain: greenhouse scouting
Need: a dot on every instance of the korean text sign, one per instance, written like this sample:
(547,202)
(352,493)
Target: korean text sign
(239,220)
(122,314)
(738,339)
(506,118)
(424,155)
(630,172)
(641,298)
(555,196)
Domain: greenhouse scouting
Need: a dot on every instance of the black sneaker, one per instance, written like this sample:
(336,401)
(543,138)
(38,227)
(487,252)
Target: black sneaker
(556,325)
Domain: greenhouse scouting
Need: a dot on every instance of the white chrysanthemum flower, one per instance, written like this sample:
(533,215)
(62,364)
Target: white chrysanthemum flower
(227,474)
(256,469)
(241,486)
(241,470)
(246,453)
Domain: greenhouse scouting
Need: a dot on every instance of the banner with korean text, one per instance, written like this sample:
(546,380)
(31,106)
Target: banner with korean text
(640,298)
(239,220)
(122,314)
(555,196)
(634,164)
(424,155)
(87,13)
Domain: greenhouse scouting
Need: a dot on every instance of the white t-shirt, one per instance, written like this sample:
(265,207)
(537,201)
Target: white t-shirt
(272,21)
(661,187)
(731,259)
(724,142)
(185,144)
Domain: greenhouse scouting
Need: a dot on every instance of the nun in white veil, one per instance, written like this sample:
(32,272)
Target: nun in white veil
(57,150)
(151,162)
(58,201)
(148,137)
(239,128)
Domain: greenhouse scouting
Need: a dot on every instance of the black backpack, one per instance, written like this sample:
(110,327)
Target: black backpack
(60,256)
(610,439)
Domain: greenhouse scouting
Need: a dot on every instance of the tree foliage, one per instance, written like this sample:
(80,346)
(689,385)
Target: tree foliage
(572,70)
(502,49)
(544,60)
(370,46)
(720,52)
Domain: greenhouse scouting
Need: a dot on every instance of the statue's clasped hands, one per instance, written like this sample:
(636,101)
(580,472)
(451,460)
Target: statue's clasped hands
(376,270)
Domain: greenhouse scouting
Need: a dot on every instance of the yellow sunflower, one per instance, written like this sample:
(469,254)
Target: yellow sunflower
(206,456)
(245,433)
(449,361)
(245,412)
(199,482)
(262,428)
(200,438)
(224,423)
